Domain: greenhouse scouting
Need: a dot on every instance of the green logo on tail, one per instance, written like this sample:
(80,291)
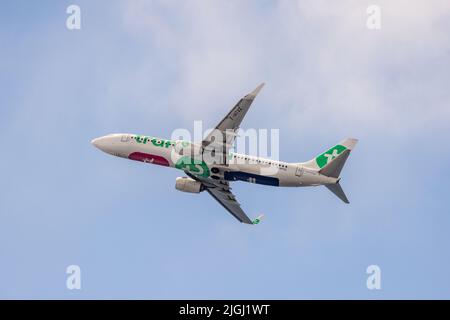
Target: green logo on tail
(326,157)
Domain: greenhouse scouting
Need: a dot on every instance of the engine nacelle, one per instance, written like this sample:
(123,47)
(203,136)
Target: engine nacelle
(186,184)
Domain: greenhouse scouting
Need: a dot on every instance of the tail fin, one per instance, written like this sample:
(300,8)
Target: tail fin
(334,168)
(331,162)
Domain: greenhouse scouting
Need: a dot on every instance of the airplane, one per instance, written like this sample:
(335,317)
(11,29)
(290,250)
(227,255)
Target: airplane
(211,165)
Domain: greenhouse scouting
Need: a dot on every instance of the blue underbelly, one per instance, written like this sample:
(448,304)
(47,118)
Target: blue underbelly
(252,178)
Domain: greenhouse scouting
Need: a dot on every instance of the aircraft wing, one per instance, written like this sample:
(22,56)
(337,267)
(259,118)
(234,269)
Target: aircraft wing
(223,136)
(221,191)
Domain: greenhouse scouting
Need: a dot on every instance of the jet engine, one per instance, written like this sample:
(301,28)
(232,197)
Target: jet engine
(186,184)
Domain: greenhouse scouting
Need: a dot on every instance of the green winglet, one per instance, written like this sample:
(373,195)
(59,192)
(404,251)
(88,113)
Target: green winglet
(258,219)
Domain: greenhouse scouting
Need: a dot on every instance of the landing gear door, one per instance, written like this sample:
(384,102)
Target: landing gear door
(299,171)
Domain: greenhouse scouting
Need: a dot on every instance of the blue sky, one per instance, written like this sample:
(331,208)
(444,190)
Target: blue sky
(153,66)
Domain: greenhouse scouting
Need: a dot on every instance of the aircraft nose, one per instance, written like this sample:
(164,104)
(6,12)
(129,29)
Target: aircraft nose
(96,142)
(101,143)
(106,144)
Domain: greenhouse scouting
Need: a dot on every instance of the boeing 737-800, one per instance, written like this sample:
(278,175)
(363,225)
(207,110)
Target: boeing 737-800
(211,166)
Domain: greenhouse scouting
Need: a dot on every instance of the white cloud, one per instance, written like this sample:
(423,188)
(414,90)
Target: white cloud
(318,56)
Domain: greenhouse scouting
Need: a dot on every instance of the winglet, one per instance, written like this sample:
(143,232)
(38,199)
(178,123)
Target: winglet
(253,94)
(258,219)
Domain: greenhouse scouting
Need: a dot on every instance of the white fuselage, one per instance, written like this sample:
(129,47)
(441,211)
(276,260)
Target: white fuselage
(240,167)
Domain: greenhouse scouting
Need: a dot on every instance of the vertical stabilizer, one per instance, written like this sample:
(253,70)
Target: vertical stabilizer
(331,162)
(331,155)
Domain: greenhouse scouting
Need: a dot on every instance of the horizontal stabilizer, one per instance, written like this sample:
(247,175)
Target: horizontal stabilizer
(337,190)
